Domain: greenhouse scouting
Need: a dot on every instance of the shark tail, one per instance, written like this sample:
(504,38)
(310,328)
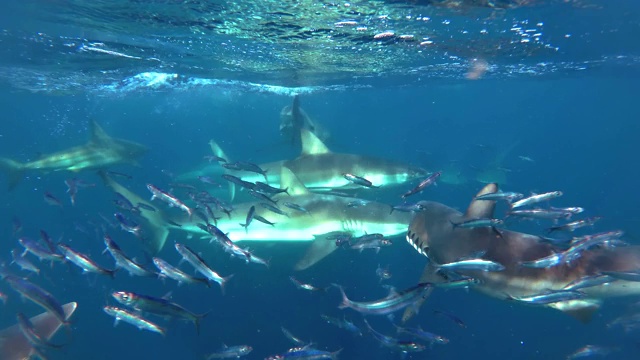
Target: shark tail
(223,283)
(217,151)
(14,170)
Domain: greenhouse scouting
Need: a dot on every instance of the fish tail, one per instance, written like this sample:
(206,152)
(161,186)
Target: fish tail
(197,318)
(223,283)
(14,170)
(345,300)
(334,355)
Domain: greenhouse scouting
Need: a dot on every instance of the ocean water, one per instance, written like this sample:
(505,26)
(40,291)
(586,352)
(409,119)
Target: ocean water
(544,91)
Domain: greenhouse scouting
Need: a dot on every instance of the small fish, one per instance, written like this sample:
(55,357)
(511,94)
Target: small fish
(550,297)
(540,214)
(212,158)
(169,199)
(168,270)
(589,281)
(268,189)
(38,295)
(418,333)
(458,283)
(72,188)
(262,197)
(23,262)
(157,306)
(407,208)
(133,319)
(546,262)
(296,207)
(472,264)
(127,224)
(120,174)
(249,218)
(208,180)
(123,261)
(568,210)
(574,225)
(501,196)
(294,339)
(201,266)
(533,199)
(525,158)
(305,353)
(236,180)
(393,302)
(302,286)
(423,184)
(274,209)
(342,324)
(50,199)
(393,343)
(29,332)
(83,261)
(358,180)
(40,251)
(474,223)
(633,276)
(230,352)
(370,243)
(263,220)
(246,166)
(451,317)
(591,351)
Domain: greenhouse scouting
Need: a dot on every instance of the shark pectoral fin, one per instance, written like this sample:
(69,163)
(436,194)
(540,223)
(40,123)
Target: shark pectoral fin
(288,180)
(582,309)
(157,238)
(318,250)
(311,145)
(429,275)
(14,170)
(482,209)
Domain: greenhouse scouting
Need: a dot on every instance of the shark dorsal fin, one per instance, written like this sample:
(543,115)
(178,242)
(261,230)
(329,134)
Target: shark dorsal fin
(311,145)
(482,209)
(98,135)
(289,180)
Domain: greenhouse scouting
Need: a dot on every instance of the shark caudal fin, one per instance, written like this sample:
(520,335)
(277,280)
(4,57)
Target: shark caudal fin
(311,144)
(15,346)
(14,171)
(482,209)
(217,151)
(155,232)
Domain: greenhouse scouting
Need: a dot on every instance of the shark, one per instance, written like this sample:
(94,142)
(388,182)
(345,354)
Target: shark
(433,234)
(14,346)
(325,215)
(100,151)
(322,170)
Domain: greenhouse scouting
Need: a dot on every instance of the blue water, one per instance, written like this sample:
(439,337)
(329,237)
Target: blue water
(579,124)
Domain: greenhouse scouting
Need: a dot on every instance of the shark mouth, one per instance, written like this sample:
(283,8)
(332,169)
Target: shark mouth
(414,240)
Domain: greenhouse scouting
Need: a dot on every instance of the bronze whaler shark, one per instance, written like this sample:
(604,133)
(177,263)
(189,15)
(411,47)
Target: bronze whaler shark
(15,346)
(100,152)
(433,234)
(326,215)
